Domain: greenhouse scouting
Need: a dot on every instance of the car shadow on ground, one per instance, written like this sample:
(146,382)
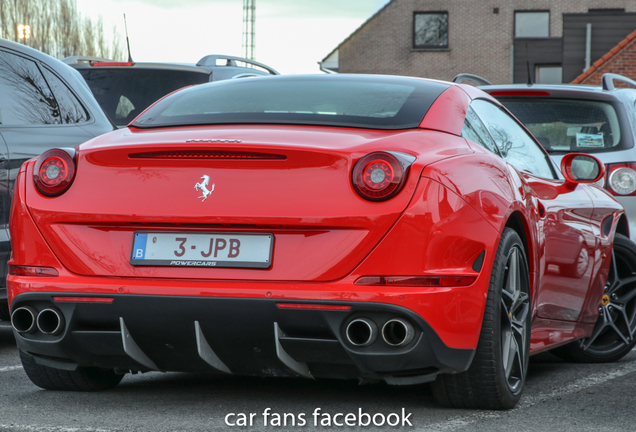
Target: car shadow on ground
(299,390)
(321,392)
(6,335)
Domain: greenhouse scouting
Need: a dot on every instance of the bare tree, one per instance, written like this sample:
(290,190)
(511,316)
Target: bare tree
(58,29)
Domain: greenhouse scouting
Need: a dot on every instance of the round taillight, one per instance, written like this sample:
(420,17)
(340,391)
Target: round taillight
(54,172)
(378,176)
(623,181)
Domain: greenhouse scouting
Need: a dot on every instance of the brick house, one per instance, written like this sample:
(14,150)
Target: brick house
(500,40)
(620,60)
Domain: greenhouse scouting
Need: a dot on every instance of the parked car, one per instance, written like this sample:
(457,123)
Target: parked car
(580,118)
(339,226)
(125,89)
(43,104)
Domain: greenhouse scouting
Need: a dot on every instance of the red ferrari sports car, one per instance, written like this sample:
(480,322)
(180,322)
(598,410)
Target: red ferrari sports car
(348,226)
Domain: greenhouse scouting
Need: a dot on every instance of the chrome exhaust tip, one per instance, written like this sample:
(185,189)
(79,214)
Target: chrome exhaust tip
(397,332)
(362,332)
(50,322)
(23,319)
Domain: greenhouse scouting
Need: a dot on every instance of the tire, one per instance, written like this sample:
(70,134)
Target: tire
(81,379)
(614,334)
(4,311)
(497,374)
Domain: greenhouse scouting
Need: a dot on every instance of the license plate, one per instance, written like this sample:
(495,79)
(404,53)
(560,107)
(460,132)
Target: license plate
(212,249)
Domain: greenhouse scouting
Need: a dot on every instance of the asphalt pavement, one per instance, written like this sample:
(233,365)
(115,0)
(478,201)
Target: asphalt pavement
(559,396)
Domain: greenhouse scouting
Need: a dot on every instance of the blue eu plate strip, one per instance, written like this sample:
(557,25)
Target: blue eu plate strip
(139,250)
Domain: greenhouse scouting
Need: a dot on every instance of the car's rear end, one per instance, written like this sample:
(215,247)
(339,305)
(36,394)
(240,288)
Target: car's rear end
(586,119)
(274,250)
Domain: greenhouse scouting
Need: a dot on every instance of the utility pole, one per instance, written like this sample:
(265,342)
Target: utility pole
(249,20)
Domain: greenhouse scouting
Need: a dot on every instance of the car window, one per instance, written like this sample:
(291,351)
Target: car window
(515,145)
(124,93)
(628,97)
(26,97)
(566,125)
(323,100)
(475,131)
(71,110)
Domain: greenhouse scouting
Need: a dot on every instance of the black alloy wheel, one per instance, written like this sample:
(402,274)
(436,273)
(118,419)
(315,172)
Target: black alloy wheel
(497,374)
(614,334)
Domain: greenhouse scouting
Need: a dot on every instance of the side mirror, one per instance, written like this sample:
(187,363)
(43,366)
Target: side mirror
(582,168)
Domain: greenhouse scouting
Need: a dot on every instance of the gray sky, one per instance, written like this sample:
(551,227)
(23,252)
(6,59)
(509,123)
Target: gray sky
(291,35)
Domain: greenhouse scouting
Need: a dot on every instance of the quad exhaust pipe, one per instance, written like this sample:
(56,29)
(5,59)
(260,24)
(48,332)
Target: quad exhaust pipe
(23,319)
(397,332)
(50,322)
(26,319)
(362,332)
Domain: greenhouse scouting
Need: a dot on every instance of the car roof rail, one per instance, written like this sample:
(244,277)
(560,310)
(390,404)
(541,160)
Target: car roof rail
(460,78)
(210,60)
(609,78)
(82,59)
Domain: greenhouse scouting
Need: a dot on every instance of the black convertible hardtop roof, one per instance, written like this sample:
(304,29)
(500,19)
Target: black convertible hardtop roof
(347,100)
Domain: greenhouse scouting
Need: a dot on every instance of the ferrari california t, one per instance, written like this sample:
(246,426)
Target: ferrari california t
(347,226)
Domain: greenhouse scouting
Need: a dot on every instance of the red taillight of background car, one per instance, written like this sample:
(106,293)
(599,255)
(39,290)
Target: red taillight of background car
(621,179)
(54,172)
(107,64)
(380,175)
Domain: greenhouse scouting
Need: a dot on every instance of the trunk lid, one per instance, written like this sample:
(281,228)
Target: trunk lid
(291,182)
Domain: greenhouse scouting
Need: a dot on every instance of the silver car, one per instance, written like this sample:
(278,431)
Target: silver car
(576,118)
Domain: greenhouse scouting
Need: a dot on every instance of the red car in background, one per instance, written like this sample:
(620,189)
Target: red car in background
(350,226)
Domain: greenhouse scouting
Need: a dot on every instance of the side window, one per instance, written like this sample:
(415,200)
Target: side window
(516,146)
(71,110)
(26,97)
(475,131)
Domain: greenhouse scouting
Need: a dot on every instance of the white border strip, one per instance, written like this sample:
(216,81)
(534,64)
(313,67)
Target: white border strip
(10,368)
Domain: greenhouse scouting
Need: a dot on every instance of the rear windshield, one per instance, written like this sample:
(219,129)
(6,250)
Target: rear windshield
(349,101)
(569,125)
(124,93)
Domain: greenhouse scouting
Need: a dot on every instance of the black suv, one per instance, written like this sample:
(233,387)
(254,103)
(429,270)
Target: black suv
(125,89)
(43,104)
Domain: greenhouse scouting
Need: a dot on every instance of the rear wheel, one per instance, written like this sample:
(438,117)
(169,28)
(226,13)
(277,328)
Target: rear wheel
(614,334)
(81,379)
(497,374)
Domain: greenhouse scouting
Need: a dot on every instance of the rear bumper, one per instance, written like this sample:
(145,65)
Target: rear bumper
(242,336)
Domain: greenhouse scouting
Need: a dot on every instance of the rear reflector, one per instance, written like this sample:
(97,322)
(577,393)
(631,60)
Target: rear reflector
(421,281)
(32,271)
(102,64)
(205,154)
(503,93)
(312,306)
(84,299)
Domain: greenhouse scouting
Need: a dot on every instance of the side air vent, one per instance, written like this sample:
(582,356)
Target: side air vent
(205,154)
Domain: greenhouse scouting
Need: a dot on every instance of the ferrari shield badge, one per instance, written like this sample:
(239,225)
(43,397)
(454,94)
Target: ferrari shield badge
(203,187)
